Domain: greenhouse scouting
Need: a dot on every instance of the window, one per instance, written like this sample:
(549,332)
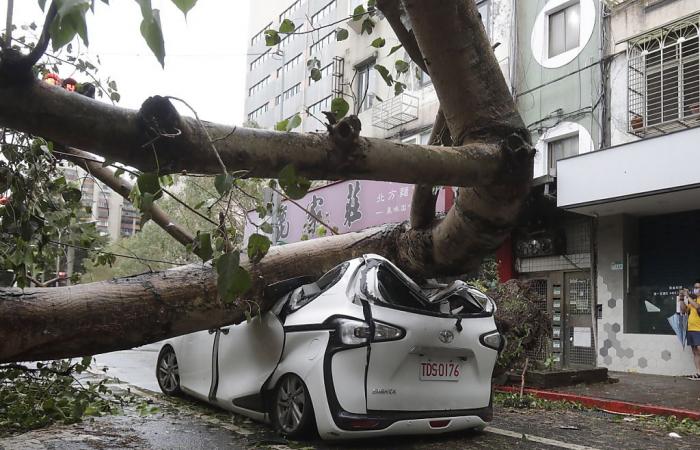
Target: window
(325,40)
(258,112)
(322,105)
(326,71)
(260,35)
(289,37)
(485,17)
(257,62)
(292,91)
(564,29)
(257,87)
(323,12)
(287,13)
(560,149)
(664,80)
(366,76)
(289,65)
(395,292)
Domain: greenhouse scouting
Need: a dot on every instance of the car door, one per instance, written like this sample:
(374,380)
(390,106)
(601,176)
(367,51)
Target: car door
(438,364)
(194,358)
(248,353)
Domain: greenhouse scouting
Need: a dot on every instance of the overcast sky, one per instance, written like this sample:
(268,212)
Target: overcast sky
(205,55)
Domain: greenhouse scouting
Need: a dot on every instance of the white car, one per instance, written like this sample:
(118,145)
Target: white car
(362,351)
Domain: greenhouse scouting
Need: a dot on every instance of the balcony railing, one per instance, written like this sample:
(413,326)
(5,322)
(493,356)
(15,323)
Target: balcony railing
(396,111)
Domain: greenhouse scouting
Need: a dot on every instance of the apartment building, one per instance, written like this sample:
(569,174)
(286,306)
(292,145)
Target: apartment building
(642,189)
(114,216)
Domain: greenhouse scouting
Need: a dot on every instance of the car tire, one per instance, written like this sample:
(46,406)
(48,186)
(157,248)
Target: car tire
(292,413)
(167,372)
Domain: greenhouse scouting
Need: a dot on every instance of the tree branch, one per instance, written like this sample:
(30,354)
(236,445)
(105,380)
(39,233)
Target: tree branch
(124,188)
(8,25)
(43,43)
(118,134)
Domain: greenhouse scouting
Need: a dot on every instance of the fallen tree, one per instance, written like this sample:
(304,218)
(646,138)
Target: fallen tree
(480,145)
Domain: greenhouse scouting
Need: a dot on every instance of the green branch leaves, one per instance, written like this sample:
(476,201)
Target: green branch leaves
(152,31)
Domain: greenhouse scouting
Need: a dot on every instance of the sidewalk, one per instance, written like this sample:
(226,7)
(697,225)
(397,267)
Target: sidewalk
(632,393)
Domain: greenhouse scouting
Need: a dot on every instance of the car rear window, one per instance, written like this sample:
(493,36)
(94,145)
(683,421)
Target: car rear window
(395,292)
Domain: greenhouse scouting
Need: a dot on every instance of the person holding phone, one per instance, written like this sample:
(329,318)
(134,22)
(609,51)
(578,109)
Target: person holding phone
(689,304)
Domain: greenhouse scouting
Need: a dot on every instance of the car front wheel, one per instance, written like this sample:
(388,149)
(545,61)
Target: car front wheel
(292,412)
(167,371)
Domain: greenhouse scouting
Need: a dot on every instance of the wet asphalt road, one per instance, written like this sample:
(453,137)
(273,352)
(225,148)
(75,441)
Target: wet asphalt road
(188,424)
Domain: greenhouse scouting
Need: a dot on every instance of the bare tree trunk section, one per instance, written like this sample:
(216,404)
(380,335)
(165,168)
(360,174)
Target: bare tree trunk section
(135,138)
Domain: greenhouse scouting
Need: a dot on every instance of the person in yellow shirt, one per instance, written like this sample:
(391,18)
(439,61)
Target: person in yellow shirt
(690,304)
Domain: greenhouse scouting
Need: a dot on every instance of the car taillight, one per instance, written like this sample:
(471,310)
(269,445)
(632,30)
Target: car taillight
(356,332)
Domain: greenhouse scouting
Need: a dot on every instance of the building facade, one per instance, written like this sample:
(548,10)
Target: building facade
(114,216)
(610,90)
(644,198)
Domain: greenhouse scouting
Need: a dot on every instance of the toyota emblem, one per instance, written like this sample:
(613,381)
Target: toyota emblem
(446,336)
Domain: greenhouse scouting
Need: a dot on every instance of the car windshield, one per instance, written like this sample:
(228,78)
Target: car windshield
(394,291)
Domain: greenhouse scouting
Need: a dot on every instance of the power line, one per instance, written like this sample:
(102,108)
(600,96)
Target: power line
(119,255)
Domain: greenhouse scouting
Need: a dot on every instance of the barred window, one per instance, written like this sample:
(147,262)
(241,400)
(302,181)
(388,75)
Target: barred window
(664,79)
(289,65)
(292,91)
(325,40)
(323,12)
(287,13)
(258,112)
(322,105)
(257,87)
(260,59)
(260,35)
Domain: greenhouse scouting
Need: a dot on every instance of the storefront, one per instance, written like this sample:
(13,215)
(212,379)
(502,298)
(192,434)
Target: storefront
(642,263)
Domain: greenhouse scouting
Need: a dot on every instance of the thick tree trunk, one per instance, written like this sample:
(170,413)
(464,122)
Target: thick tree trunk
(131,137)
(48,323)
(492,162)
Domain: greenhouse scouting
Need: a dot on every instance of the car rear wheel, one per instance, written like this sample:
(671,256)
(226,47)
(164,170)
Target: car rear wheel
(292,412)
(167,371)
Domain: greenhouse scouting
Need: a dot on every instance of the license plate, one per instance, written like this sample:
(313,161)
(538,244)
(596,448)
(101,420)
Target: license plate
(439,371)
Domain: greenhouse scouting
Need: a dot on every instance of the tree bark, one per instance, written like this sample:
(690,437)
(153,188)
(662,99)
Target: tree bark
(132,137)
(492,162)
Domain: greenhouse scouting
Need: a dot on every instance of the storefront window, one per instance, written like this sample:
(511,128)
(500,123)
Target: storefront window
(666,259)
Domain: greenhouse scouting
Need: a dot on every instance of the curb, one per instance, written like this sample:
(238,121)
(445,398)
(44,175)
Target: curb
(608,405)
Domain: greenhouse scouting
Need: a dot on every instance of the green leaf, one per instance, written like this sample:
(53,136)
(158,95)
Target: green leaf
(232,279)
(394,49)
(223,183)
(185,5)
(339,107)
(313,62)
(315,74)
(202,246)
(295,186)
(358,13)
(294,122)
(282,125)
(399,88)
(149,183)
(272,37)
(378,43)
(118,172)
(152,31)
(266,228)
(287,26)
(145,205)
(258,245)
(69,21)
(72,194)
(401,66)
(341,34)
(367,26)
(384,72)
(42,4)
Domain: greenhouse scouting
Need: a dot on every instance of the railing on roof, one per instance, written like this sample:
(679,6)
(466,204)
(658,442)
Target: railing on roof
(396,111)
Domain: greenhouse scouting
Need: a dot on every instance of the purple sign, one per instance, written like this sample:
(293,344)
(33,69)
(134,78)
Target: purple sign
(344,206)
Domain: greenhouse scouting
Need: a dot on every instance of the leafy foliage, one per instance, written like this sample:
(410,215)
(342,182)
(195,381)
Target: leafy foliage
(34,397)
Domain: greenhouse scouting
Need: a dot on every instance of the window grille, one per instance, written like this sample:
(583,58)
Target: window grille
(260,35)
(663,79)
(287,13)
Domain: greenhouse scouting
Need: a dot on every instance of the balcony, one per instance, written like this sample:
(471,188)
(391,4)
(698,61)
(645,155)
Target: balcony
(396,111)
